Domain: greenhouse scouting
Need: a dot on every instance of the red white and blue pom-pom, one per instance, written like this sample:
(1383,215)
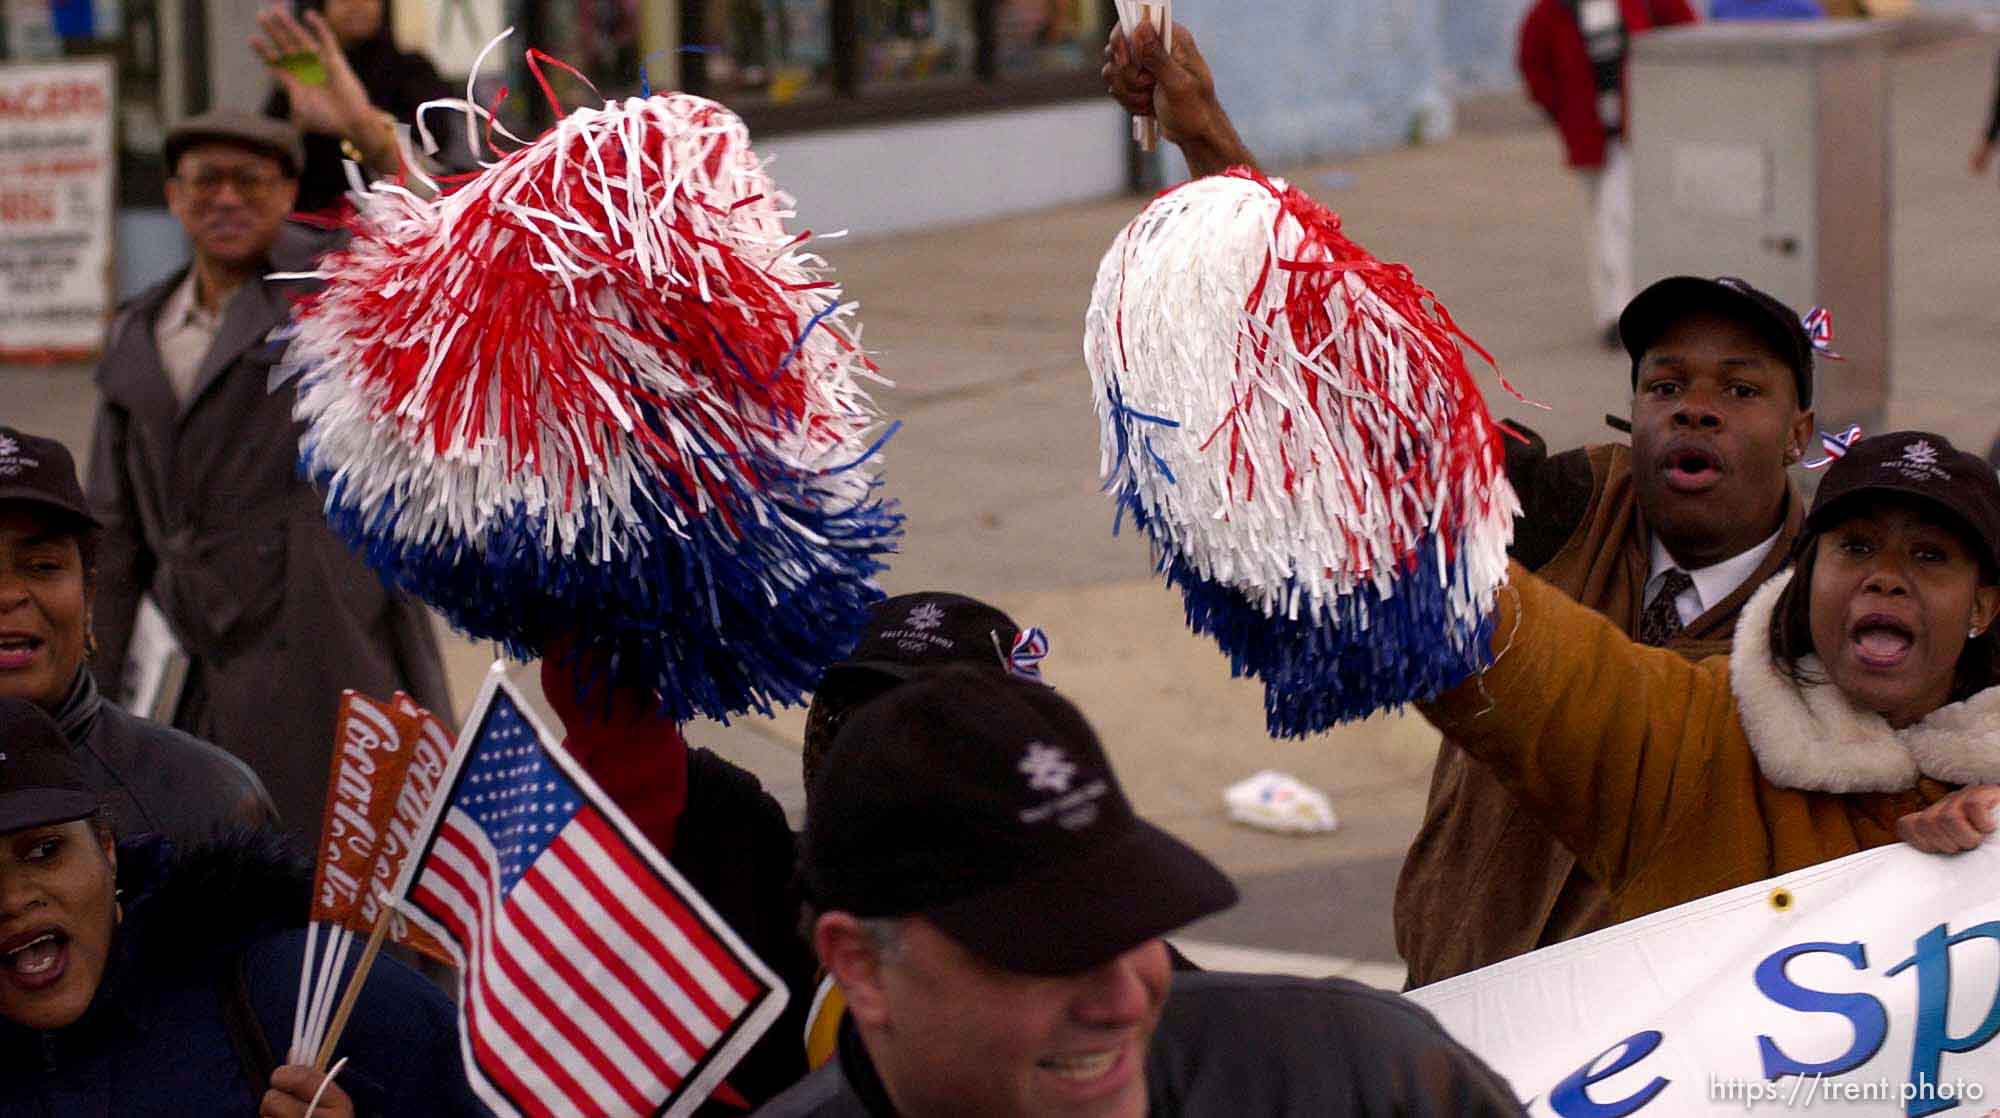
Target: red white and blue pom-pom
(1292,424)
(601,391)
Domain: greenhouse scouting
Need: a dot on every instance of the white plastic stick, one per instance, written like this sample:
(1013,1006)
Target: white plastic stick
(331,959)
(1146,130)
(305,986)
(1128,22)
(330,1035)
(329,994)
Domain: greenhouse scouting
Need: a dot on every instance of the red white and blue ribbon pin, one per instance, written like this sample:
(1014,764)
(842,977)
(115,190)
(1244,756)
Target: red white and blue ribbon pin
(1836,446)
(1031,647)
(1819,331)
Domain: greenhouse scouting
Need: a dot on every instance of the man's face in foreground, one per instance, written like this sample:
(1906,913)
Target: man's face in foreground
(953,1035)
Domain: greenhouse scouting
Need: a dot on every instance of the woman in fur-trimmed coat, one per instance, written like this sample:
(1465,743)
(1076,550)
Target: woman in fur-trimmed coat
(193,1011)
(1859,697)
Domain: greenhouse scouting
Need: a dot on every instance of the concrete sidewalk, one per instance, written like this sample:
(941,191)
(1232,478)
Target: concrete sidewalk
(997,463)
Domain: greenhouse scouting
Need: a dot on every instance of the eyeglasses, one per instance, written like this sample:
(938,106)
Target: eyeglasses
(206,182)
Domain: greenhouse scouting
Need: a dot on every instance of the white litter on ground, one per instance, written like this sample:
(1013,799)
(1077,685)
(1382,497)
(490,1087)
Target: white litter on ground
(1273,801)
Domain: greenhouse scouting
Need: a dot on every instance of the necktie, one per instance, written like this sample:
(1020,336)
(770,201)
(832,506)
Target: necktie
(1661,622)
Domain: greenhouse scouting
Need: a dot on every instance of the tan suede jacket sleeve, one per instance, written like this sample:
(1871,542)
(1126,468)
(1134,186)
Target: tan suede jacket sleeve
(1607,742)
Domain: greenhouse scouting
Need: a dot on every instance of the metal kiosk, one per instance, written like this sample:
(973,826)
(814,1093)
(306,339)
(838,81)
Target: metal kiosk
(1762,150)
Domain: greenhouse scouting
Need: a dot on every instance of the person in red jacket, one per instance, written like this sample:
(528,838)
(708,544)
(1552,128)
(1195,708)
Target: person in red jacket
(1572,58)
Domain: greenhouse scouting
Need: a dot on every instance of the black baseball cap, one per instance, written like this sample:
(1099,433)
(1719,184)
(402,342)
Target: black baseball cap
(40,781)
(985,803)
(1915,464)
(906,636)
(1659,307)
(910,634)
(39,471)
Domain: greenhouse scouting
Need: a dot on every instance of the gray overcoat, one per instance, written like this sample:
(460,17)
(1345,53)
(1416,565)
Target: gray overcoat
(203,508)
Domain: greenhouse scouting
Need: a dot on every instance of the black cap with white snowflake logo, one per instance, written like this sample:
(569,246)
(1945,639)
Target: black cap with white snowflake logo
(40,782)
(39,471)
(986,804)
(1915,464)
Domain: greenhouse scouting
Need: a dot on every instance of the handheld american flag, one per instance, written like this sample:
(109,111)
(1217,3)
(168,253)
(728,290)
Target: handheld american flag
(598,984)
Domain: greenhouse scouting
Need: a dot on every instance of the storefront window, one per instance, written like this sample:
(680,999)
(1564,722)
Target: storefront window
(917,41)
(778,51)
(1043,36)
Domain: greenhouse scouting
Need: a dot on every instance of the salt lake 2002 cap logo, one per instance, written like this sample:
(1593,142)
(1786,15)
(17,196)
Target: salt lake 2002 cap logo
(12,461)
(1920,463)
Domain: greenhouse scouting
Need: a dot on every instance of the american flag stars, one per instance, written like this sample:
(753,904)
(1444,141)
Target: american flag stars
(514,793)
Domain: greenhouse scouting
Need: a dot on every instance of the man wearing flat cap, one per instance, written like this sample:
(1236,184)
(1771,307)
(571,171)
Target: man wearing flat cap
(992,910)
(194,477)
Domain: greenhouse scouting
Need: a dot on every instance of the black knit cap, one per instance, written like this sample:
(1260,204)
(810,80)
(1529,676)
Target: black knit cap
(1915,464)
(39,471)
(40,781)
(1655,311)
(986,804)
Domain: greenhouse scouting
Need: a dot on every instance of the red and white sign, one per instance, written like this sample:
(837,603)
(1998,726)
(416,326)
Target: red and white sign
(57,169)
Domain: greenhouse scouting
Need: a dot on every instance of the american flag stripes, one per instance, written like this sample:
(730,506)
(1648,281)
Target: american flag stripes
(597,983)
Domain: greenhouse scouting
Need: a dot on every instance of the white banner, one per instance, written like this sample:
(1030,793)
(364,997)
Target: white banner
(57,168)
(1870,985)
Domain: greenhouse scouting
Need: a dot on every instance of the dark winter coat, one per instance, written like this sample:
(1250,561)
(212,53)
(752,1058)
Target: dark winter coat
(204,509)
(735,848)
(155,779)
(156,1042)
(1557,71)
(1268,1046)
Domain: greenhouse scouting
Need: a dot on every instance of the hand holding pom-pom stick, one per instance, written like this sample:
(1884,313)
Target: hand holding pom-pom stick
(1171,85)
(1292,424)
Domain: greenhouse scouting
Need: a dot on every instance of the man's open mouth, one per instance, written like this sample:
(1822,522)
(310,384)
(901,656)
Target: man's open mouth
(1692,469)
(1882,641)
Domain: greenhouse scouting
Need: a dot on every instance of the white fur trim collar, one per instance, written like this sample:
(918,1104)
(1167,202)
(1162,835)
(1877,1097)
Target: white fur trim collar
(1812,739)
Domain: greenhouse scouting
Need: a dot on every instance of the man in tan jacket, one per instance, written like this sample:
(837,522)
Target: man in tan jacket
(1667,538)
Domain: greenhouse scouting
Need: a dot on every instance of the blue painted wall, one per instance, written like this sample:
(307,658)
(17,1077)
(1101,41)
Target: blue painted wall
(1479,43)
(1311,78)
(1305,78)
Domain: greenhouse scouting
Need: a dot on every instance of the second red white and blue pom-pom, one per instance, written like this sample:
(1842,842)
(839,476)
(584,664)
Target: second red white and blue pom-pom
(1292,424)
(601,391)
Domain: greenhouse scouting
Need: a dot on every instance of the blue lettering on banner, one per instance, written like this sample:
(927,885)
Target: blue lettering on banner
(1571,1098)
(1933,1031)
(1870,1020)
